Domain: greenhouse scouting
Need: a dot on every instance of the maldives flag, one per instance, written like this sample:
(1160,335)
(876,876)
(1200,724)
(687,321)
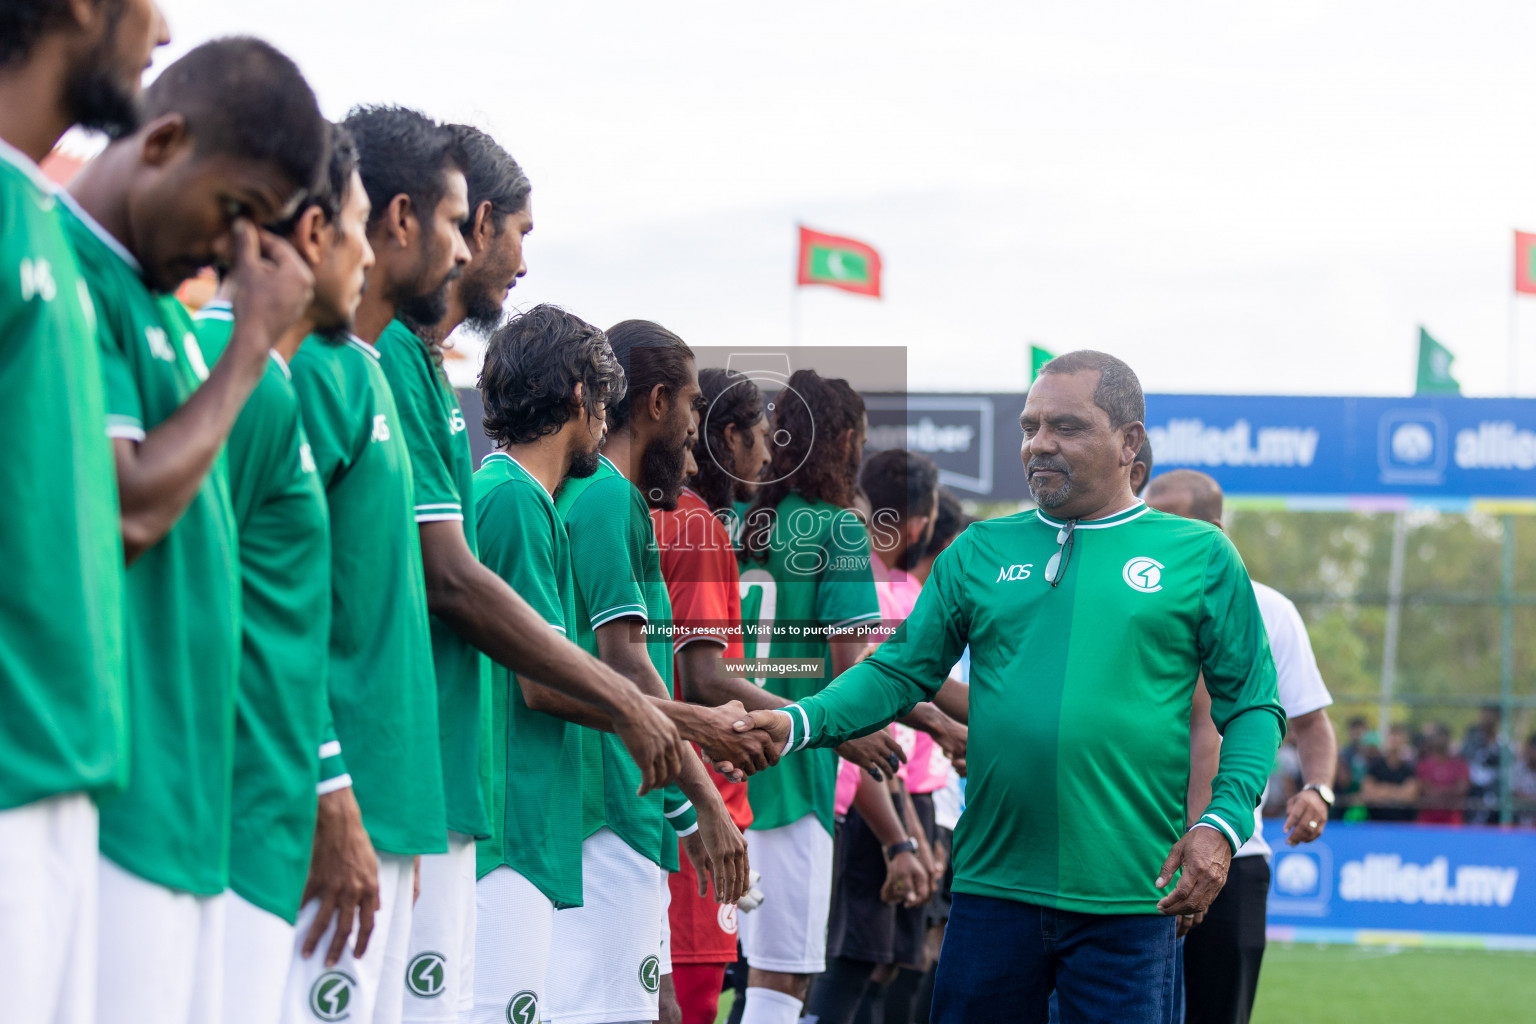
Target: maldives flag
(840,262)
(1525,263)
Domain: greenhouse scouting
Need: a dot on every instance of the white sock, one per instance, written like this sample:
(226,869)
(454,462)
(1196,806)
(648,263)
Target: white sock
(765,1006)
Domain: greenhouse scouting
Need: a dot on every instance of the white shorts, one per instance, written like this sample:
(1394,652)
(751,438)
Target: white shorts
(788,933)
(356,991)
(48,911)
(666,926)
(160,958)
(258,946)
(513,936)
(605,962)
(440,961)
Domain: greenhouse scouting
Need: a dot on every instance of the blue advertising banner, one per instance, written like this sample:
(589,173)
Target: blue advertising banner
(1438,450)
(1443,451)
(1410,884)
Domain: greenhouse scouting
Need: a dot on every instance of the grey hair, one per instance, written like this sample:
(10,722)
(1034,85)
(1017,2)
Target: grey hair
(1119,391)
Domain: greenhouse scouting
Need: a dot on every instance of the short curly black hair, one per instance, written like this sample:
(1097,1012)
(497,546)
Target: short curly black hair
(532,367)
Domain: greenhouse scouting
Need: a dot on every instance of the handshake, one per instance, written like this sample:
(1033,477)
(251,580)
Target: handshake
(739,743)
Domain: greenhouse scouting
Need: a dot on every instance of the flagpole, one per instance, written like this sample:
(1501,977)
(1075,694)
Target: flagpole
(794,295)
(1514,344)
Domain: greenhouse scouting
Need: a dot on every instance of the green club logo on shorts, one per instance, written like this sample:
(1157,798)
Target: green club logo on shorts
(330,998)
(427,975)
(523,1008)
(650,973)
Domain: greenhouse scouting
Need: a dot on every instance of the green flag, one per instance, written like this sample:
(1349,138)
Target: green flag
(1038,357)
(1435,368)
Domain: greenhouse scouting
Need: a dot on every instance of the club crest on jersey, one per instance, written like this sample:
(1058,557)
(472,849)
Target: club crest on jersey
(381,427)
(1014,572)
(427,975)
(523,1008)
(650,973)
(1143,574)
(330,998)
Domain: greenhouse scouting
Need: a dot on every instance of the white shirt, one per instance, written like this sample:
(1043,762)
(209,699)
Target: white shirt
(1301,686)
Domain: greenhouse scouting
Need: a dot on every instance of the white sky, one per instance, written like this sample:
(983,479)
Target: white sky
(1233,199)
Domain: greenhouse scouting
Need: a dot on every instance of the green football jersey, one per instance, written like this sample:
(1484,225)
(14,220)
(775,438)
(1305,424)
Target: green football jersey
(816,578)
(536,830)
(443,472)
(1080,694)
(382,687)
(62,727)
(171,825)
(285,631)
(618,575)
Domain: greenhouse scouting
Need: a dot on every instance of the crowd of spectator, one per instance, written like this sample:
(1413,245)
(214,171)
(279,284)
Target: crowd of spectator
(1424,775)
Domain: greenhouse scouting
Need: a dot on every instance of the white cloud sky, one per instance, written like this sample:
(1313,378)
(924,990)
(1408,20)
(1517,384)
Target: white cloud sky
(1233,199)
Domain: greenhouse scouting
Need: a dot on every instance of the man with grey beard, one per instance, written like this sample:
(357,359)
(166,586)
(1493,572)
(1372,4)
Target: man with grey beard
(1089,620)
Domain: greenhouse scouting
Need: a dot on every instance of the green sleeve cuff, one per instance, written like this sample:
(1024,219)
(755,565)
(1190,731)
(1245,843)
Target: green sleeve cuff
(1248,747)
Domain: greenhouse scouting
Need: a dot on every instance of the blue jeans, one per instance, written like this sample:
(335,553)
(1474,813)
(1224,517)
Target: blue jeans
(1002,959)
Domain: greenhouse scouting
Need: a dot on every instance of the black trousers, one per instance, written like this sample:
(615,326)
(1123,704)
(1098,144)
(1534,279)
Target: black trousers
(1223,954)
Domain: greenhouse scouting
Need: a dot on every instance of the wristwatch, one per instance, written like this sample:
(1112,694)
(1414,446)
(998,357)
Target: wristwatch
(1323,790)
(907,845)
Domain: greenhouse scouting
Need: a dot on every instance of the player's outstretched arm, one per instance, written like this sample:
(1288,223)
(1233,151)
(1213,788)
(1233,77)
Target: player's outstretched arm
(158,477)
(702,679)
(558,677)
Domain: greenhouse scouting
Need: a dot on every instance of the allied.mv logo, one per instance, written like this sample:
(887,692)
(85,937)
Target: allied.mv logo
(330,998)
(523,1008)
(1144,574)
(650,973)
(427,975)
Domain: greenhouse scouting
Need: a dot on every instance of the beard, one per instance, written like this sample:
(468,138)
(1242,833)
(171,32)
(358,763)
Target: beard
(428,308)
(661,473)
(94,95)
(584,464)
(427,311)
(1044,498)
(743,490)
(914,553)
(482,308)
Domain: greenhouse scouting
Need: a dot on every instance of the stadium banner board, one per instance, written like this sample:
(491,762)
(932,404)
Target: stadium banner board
(1373,883)
(1303,453)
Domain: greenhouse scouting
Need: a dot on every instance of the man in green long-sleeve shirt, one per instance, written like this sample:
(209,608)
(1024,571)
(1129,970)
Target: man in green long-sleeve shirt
(1089,621)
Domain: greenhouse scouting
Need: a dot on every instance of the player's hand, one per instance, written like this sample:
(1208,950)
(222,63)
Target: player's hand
(343,876)
(1187,923)
(416,880)
(728,771)
(773,724)
(1305,817)
(952,740)
(1204,854)
(906,881)
(273,284)
(715,731)
(719,851)
(878,753)
(652,741)
(928,857)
